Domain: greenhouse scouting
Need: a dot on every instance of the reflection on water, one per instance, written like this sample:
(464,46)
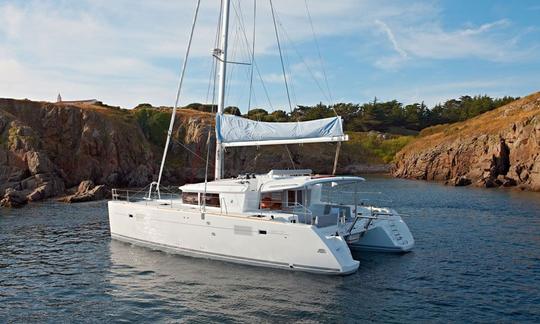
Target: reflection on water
(476,259)
(210,290)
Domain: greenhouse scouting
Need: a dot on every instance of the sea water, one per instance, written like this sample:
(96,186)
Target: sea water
(477,259)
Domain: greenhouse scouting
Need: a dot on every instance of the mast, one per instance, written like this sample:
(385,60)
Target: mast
(222,78)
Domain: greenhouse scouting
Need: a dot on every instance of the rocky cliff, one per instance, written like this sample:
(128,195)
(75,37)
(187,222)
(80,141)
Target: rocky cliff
(55,149)
(46,148)
(497,148)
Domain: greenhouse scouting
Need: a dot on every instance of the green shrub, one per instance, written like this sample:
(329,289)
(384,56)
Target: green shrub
(376,146)
(154,124)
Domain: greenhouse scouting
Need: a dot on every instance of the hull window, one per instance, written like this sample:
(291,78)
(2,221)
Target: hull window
(295,198)
(190,198)
(212,200)
(272,200)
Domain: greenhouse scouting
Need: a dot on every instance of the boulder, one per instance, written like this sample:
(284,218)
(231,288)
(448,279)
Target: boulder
(489,182)
(87,191)
(461,181)
(13,199)
(85,186)
(37,194)
(508,182)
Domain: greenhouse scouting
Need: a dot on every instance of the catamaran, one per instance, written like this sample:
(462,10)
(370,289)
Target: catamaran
(288,219)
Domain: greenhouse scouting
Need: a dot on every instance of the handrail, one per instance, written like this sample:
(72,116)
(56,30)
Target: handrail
(365,197)
(140,195)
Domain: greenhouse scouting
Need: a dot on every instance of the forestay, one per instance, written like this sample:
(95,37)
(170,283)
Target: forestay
(237,131)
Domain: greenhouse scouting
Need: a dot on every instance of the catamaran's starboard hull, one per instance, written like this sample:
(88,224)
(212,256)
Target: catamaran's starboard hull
(388,234)
(241,240)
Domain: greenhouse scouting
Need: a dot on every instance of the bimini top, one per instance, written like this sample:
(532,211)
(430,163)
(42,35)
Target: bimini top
(300,182)
(275,180)
(218,186)
(237,131)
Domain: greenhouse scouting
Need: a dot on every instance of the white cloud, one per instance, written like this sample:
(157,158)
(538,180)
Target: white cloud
(428,40)
(486,27)
(391,38)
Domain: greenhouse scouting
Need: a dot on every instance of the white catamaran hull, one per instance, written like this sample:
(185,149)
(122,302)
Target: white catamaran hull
(385,234)
(235,239)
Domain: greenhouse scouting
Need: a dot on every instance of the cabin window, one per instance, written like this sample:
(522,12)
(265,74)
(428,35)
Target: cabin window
(190,198)
(295,197)
(211,199)
(271,200)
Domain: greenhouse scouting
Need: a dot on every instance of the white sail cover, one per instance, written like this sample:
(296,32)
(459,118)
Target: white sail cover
(237,131)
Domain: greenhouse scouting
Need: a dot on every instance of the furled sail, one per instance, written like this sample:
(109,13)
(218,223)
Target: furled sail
(237,131)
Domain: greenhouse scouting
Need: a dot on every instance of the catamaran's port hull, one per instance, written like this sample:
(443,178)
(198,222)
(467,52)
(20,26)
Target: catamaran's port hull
(255,242)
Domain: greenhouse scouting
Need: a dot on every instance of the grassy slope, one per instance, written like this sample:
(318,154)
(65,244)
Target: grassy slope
(491,122)
(375,147)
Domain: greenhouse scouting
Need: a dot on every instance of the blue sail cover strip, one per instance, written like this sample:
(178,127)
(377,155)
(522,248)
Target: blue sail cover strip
(232,129)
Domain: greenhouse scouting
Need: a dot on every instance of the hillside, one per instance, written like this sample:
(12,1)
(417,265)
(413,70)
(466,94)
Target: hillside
(498,148)
(48,149)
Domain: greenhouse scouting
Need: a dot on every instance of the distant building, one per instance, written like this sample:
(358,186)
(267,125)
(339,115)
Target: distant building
(84,102)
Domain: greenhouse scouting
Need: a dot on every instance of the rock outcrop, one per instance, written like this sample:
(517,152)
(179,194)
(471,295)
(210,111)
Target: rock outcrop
(498,148)
(87,191)
(13,198)
(46,148)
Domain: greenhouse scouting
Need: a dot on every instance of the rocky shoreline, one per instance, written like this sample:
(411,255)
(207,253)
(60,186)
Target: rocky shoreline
(500,148)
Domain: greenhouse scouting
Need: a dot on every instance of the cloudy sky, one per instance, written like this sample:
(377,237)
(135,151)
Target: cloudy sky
(126,52)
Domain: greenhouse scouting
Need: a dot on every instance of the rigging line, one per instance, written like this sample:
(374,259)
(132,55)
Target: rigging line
(323,91)
(190,150)
(281,56)
(288,66)
(287,61)
(252,53)
(233,56)
(255,63)
(242,24)
(263,85)
(240,31)
(290,156)
(213,70)
(320,56)
(210,79)
(206,167)
(248,52)
(218,29)
(207,162)
(178,92)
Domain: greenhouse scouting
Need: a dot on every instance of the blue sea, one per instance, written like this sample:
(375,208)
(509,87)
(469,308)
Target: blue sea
(477,259)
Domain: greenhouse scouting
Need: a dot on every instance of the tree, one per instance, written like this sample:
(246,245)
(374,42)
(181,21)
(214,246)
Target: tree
(143,105)
(257,114)
(232,110)
(201,107)
(279,116)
